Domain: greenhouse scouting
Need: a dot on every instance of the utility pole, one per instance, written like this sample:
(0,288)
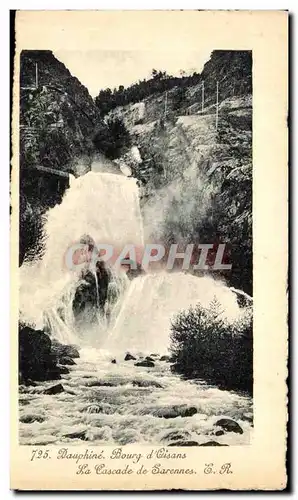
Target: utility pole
(203,91)
(36,75)
(166,104)
(216,122)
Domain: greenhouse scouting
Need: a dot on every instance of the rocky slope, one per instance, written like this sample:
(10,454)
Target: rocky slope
(57,120)
(194,170)
(57,114)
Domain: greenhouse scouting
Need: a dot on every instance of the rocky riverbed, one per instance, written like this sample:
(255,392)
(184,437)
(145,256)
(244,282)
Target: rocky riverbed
(105,400)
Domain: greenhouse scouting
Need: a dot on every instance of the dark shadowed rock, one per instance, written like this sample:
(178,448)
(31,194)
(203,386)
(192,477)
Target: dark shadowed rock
(92,292)
(165,358)
(101,383)
(77,435)
(29,383)
(24,402)
(29,419)
(147,383)
(36,362)
(64,370)
(146,363)
(184,443)
(175,411)
(66,360)
(229,425)
(176,436)
(189,412)
(219,433)
(113,361)
(148,358)
(55,389)
(129,356)
(62,350)
(212,443)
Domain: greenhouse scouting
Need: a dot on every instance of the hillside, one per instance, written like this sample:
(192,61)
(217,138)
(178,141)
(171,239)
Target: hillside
(57,122)
(193,165)
(57,114)
(186,158)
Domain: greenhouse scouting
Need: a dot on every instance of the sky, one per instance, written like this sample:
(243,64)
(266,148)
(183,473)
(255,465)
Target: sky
(110,68)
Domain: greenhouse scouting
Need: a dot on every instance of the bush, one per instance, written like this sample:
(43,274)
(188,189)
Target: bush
(112,138)
(204,345)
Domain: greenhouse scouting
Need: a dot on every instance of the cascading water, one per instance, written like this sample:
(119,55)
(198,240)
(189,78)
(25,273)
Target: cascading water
(150,303)
(102,205)
(106,207)
(117,403)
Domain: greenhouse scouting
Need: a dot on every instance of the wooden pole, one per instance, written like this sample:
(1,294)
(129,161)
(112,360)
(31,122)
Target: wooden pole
(216,122)
(36,75)
(203,96)
(166,103)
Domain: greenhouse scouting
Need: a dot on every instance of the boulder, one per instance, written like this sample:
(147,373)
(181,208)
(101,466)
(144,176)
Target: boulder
(165,358)
(62,350)
(36,362)
(64,370)
(29,419)
(113,361)
(129,356)
(219,433)
(92,291)
(184,443)
(189,412)
(77,435)
(147,383)
(175,411)
(55,389)
(66,360)
(101,383)
(212,443)
(176,436)
(148,358)
(229,425)
(146,363)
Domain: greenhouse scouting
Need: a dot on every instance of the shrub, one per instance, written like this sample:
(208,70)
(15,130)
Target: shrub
(204,345)
(112,138)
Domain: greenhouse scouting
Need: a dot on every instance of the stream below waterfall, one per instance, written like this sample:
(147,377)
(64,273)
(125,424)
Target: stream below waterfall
(120,404)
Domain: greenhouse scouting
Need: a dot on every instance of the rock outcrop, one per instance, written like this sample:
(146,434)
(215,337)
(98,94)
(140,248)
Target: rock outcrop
(42,358)
(36,360)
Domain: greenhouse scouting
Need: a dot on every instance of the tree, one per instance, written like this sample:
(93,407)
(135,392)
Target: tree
(112,138)
(205,345)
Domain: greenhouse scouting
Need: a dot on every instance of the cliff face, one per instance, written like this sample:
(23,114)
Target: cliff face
(57,121)
(57,114)
(195,168)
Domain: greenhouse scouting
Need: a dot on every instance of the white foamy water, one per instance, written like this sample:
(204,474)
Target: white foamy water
(117,403)
(106,207)
(121,403)
(151,302)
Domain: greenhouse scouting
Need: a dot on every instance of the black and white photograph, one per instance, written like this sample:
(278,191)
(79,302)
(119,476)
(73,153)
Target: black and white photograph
(135,248)
(149,250)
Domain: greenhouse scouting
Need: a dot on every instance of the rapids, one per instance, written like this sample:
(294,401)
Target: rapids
(127,407)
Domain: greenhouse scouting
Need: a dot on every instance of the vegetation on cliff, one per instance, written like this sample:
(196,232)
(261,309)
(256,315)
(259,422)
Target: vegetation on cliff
(236,64)
(60,129)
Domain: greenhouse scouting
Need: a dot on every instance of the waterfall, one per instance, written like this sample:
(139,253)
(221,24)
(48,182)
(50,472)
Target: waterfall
(152,301)
(136,315)
(104,206)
